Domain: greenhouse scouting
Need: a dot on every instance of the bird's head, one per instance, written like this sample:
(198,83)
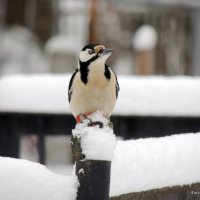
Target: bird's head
(94,53)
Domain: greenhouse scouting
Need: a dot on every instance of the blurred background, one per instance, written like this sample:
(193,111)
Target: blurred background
(149,37)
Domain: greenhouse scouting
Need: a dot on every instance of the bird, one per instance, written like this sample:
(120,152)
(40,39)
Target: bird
(93,85)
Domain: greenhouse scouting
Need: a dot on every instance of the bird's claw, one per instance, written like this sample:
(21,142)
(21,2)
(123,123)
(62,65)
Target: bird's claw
(90,123)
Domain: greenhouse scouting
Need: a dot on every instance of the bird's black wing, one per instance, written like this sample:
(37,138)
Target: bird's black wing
(70,85)
(117,84)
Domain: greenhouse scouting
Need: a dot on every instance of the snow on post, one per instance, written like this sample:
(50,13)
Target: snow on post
(93,144)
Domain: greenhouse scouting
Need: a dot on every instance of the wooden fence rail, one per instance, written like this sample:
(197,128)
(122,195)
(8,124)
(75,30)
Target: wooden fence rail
(186,192)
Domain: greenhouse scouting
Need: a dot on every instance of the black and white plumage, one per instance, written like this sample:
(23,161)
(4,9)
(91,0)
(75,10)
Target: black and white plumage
(93,86)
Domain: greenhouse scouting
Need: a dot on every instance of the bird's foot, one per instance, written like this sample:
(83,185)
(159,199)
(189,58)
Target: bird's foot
(81,117)
(86,118)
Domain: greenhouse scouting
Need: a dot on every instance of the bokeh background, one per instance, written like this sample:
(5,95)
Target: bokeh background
(149,37)
(47,35)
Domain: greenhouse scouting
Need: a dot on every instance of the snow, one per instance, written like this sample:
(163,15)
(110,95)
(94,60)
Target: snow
(25,180)
(72,28)
(145,38)
(34,94)
(58,168)
(137,165)
(62,44)
(138,96)
(159,96)
(67,6)
(16,57)
(96,143)
(151,163)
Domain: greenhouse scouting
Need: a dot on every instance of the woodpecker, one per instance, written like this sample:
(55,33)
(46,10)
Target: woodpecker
(93,86)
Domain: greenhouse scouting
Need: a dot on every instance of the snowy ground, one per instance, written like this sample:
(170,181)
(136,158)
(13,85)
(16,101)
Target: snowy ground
(139,96)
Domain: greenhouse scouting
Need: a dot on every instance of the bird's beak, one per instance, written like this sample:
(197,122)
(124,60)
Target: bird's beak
(102,51)
(105,52)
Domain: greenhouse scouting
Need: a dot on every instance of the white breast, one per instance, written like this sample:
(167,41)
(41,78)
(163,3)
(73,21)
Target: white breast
(98,94)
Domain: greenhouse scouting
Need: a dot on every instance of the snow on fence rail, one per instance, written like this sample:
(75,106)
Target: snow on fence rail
(25,180)
(142,96)
(137,166)
(146,164)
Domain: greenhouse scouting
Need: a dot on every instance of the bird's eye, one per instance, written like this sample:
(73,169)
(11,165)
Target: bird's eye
(90,51)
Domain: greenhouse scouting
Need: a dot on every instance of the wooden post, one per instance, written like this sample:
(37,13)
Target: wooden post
(93,175)
(145,62)
(186,192)
(93,143)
